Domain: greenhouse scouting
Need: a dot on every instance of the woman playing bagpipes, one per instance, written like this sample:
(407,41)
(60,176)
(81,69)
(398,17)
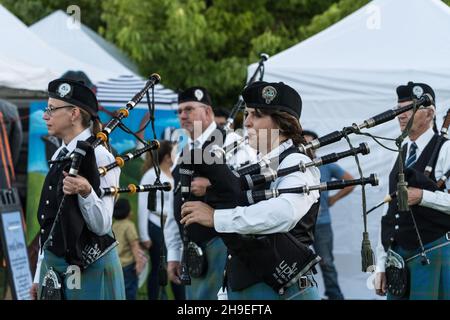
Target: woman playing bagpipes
(78,256)
(268,242)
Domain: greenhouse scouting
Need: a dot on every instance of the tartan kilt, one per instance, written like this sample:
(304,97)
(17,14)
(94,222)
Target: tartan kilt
(429,282)
(102,280)
(261,291)
(206,287)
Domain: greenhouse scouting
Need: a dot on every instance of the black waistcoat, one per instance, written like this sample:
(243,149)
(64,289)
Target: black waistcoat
(239,275)
(397,228)
(48,207)
(72,239)
(196,233)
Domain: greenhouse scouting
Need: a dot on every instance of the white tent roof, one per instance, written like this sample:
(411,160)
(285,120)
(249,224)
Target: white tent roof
(348,73)
(85,45)
(380,43)
(75,41)
(18,43)
(18,75)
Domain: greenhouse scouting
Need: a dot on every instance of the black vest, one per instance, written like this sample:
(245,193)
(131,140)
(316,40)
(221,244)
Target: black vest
(71,239)
(397,228)
(239,274)
(48,207)
(196,233)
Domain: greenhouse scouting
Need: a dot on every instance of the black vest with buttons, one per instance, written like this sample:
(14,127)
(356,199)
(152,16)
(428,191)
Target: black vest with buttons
(239,274)
(72,239)
(48,207)
(196,233)
(397,228)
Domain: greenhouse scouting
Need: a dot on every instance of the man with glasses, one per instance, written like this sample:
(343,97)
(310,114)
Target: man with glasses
(197,118)
(429,219)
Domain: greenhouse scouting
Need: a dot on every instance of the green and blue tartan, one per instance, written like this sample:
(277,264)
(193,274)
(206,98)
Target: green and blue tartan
(102,280)
(262,291)
(206,287)
(429,282)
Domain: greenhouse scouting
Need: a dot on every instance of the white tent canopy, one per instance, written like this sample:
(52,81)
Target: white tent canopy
(348,73)
(18,75)
(18,43)
(75,41)
(85,45)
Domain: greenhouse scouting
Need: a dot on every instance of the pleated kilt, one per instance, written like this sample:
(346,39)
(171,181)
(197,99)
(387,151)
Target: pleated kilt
(102,280)
(429,282)
(206,287)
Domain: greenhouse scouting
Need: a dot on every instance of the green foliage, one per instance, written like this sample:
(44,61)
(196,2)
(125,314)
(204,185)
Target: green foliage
(333,14)
(199,42)
(34,187)
(208,43)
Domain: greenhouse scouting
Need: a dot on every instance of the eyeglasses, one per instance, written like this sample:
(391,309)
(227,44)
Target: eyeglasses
(51,109)
(188,110)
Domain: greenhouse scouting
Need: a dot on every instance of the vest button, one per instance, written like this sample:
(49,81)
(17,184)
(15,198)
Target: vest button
(229,257)
(397,216)
(47,202)
(50,187)
(396,227)
(392,239)
(42,231)
(42,216)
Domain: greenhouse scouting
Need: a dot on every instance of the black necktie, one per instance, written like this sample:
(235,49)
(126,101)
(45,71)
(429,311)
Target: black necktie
(412,155)
(62,153)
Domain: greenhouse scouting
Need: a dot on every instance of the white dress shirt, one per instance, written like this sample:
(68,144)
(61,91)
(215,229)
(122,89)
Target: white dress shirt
(435,200)
(280,214)
(146,215)
(244,154)
(97,212)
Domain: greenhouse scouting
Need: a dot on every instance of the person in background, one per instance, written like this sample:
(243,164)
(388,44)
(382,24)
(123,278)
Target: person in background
(323,244)
(131,256)
(150,218)
(11,141)
(220,116)
(195,112)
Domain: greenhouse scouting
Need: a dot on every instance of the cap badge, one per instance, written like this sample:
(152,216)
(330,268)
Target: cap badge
(64,89)
(198,94)
(269,93)
(418,91)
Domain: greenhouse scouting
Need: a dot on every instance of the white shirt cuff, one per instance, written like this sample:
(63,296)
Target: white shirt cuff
(174,255)
(37,274)
(428,198)
(88,199)
(381,263)
(222,221)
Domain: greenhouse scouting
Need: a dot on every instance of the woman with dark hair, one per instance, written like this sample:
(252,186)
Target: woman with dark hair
(272,119)
(85,223)
(150,217)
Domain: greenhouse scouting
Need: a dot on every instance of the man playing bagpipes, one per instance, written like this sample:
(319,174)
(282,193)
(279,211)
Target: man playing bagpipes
(413,255)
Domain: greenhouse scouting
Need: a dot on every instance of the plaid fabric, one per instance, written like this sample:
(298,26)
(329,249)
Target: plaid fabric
(206,287)
(102,280)
(262,291)
(429,282)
